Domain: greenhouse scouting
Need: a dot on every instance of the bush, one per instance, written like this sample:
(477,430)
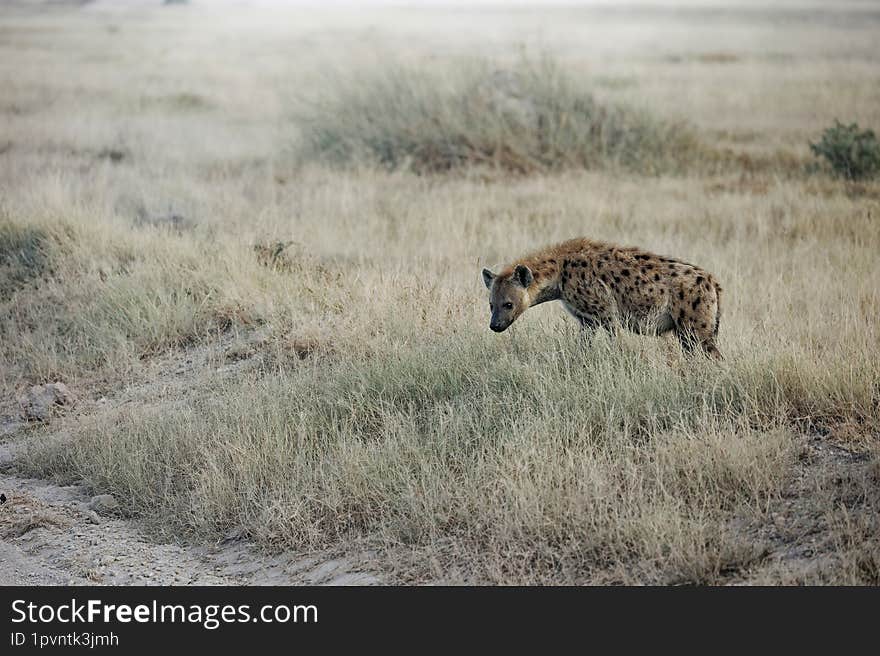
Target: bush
(852,153)
(530,119)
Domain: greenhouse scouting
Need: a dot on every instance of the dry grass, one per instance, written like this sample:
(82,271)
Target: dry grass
(379,408)
(530,118)
(23,514)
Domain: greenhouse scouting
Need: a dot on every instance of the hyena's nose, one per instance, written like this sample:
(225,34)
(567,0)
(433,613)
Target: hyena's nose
(497,327)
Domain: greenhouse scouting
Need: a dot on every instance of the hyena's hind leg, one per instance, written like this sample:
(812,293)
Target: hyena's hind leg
(700,336)
(710,348)
(696,311)
(691,342)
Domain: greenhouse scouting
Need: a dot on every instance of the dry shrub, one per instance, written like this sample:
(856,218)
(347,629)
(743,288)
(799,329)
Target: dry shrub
(530,119)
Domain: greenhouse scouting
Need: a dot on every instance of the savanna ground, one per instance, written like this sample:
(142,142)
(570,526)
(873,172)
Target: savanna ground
(294,350)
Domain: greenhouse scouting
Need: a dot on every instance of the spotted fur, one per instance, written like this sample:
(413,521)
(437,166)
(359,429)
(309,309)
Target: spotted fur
(605,285)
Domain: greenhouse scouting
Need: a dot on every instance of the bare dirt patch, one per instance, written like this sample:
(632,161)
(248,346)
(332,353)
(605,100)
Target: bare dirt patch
(825,528)
(48,538)
(50,535)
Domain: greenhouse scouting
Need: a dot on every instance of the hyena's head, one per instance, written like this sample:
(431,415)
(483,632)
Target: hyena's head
(508,295)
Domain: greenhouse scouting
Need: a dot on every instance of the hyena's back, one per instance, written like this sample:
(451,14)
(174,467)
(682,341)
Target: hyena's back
(648,293)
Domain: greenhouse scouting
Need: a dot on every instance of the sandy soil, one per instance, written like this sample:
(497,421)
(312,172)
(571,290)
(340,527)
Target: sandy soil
(49,536)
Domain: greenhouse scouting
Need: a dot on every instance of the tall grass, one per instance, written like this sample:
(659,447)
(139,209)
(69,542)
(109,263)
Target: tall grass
(527,457)
(86,297)
(513,465)
(533,117)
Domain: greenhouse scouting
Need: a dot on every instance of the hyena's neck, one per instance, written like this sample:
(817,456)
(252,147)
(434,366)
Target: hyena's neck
(546,268)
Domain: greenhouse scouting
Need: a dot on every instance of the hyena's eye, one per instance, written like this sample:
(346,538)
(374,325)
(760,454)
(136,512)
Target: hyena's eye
(508,306)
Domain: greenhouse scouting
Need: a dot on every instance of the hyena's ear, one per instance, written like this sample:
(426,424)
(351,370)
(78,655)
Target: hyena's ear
(523,275)
(488,277)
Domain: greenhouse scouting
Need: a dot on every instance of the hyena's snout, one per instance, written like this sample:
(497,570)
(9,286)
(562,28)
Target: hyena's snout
(497,325)
(501,319)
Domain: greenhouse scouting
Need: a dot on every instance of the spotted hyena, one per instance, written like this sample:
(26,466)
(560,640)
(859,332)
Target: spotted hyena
(604,285)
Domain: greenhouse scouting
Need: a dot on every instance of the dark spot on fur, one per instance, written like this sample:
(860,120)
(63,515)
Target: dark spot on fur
(604,278)
(674,274)
(699,279)
(656,277)
(681,294)
(625,272)
(695,303)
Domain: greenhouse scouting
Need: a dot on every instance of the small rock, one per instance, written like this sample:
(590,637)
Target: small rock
(41,401)
(103,503)
(233,535)
(94,518)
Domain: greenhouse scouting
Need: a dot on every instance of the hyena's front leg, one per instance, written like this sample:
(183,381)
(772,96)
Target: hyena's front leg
(590,325)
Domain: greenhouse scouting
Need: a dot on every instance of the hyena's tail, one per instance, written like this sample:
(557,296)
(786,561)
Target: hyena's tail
(718,291)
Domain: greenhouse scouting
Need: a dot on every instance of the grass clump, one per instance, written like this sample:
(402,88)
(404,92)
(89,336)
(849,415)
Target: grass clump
(529,119)
(85,297)
(852,153)
(22,256)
